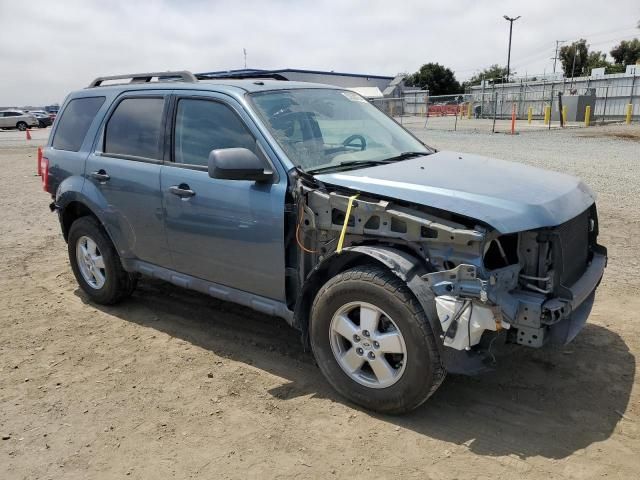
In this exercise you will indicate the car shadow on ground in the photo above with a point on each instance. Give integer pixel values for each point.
(547, 403)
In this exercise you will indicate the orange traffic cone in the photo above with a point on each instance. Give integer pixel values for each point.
(28, 134)
(39, 170)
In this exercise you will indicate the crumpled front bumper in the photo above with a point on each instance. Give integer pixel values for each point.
(539, 320)
(580, 304)
(522, 318)
(532, 324)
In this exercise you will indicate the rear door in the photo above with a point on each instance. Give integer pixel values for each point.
(124, 172)
(229, 231)
(10, 119)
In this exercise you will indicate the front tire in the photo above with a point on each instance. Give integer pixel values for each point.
(96, 264)
(22, 126)
(373, 342)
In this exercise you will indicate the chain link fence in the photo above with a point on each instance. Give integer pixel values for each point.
(610, 100)
(420, 110)
(493, 106)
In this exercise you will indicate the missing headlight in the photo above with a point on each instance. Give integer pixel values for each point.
(501, 252)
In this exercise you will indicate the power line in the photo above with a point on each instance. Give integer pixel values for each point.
(530, 58)
(542, 45)
(540, 54)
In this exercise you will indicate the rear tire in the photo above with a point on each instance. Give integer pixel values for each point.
(96, 264)
(409, 374)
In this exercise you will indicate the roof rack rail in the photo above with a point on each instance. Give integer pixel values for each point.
(241, 76)
(184, 76)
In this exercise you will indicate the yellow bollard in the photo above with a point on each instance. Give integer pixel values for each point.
(587, 116)
(547, 114)
(629, 112)
(469, 105)
(529, 115)
(564, 114)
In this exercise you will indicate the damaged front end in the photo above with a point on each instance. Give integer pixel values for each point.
(483, 292)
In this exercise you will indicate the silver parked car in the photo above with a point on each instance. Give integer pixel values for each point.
(17, 119)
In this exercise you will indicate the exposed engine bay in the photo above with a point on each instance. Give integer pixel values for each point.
(528, 288)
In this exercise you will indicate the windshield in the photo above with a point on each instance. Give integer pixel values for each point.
(322, 128)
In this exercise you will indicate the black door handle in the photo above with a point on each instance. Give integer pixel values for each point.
(182, 190)
(101, 176)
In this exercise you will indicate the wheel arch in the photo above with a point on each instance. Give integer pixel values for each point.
(72, 204)
(76, 198)
(404, 265)
(72, 211)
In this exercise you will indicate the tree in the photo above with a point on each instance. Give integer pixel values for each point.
(578, 51)
(585, 61)
(494, 73)
(438, 79)
(627, 52)
(596, 60)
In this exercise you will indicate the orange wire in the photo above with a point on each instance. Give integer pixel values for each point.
(305, 249)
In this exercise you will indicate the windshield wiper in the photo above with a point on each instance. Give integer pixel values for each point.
(405, 155)
(347, 164)
(357, 163)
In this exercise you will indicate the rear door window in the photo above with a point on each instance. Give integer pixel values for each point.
(75, 122)
(135, 128)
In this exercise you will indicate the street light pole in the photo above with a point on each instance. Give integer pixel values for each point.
(510, 20)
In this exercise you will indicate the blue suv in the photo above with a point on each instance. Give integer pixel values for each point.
(396, 262)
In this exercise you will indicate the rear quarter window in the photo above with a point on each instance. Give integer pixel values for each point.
(75, 122)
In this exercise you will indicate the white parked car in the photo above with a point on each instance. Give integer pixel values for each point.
(17, 119)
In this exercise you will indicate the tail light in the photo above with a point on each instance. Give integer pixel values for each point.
(44, 171)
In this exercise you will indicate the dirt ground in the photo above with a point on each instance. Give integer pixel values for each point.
(174, 384)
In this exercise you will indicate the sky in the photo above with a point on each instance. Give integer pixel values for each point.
(51, 47)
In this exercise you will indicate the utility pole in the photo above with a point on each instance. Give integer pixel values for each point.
(510, 20)
(244, 51)
(573, 68)
(555, 57)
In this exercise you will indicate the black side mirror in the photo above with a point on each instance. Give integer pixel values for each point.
(238, 164)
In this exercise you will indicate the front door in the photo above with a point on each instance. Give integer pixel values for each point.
(229, 232)
(125, 169)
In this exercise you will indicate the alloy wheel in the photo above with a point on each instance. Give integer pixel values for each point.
(90, 262)
(368, 345)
